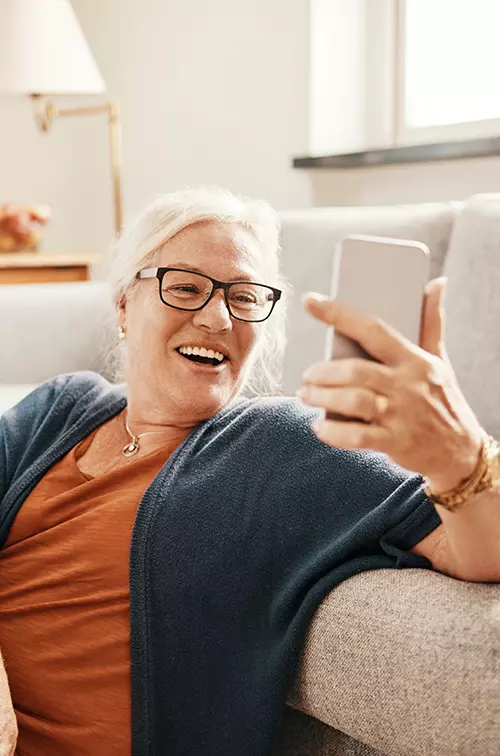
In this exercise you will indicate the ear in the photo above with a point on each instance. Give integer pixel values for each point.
(121, 309)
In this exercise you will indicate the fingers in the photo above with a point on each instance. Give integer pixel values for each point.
(352, 435)
(351, 372)
(376, 337)
(350, 402)
(433, 327)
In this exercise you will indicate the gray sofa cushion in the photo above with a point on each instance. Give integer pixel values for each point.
(302, 735)
(47, 329)
(407, 662)
(473, 306)
(309, 238)
(11, 394)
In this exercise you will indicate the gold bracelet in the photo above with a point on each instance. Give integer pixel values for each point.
(480, 480)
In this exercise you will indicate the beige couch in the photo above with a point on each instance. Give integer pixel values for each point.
(396, 663)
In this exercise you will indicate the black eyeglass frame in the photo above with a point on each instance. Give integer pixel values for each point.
(160, 272)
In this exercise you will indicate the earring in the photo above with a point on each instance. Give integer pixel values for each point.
(121, 333)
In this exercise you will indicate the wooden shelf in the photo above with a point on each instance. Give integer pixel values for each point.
(41, 267)
(42, 259)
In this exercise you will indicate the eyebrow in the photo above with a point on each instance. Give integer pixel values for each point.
(184, 266)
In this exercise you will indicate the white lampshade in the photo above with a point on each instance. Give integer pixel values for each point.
(43, 50)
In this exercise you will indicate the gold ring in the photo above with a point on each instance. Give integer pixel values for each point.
(381, 404)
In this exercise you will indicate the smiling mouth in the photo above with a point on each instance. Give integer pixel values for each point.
(213, 361)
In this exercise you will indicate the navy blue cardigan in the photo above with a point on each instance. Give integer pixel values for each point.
(243, 532)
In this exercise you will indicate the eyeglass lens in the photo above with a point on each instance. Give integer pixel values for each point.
(189, 291)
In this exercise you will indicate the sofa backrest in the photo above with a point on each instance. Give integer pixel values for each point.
(309, 239)
(472, 306)
(48, 329)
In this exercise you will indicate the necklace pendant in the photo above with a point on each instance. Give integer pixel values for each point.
(130, 449)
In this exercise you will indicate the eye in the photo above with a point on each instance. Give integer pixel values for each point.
(185, 287)
(181, 291)
(248, 298)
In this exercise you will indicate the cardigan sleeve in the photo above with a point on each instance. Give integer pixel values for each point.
(19, 425)
(369, 504)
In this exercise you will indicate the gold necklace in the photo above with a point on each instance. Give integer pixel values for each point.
(133, 445)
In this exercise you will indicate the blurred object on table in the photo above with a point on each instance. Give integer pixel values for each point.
(21, 226)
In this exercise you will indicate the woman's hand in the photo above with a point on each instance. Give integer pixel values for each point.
(422, 421)
(8, 723)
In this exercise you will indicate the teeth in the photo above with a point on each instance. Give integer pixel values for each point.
(202, 352)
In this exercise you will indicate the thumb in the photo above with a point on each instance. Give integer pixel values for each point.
(315, 305)
(432, 333)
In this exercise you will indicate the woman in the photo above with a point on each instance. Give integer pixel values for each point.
(177, 538)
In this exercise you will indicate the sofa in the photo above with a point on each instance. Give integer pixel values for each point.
(395, 663)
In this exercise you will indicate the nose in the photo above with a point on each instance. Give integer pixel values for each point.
(215, 315)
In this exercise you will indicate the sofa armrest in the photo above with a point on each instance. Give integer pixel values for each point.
(407, 662)
(11, 395)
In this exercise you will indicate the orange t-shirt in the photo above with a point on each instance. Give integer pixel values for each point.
(64, 608)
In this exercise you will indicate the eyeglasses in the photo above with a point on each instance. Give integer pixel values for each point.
(185, 290)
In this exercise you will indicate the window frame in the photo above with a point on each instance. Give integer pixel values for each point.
(405, 135)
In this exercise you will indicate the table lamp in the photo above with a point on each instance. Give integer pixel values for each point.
(43, 54)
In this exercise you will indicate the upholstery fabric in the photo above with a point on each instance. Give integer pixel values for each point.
(406, 663)
(53, 329)
(11, 394)
(302, 735)
(309, 239)
(473, 306)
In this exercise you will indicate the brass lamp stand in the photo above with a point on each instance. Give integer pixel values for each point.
(45, 113)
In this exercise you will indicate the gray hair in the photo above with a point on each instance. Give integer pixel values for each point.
(165, 217)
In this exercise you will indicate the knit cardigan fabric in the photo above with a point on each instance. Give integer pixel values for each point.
(244, 531)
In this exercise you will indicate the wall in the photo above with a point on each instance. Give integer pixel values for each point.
(219, 92)
(353, 108)
(210, 93)
(400, 184)
(352, 75)
(338, 91)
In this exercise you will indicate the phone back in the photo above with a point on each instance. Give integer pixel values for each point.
(382, 277)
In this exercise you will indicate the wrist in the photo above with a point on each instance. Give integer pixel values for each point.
(484, 476)
(457, 473)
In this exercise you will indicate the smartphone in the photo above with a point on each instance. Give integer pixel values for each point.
(382, 277)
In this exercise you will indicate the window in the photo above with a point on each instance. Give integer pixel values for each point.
(448, 78)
